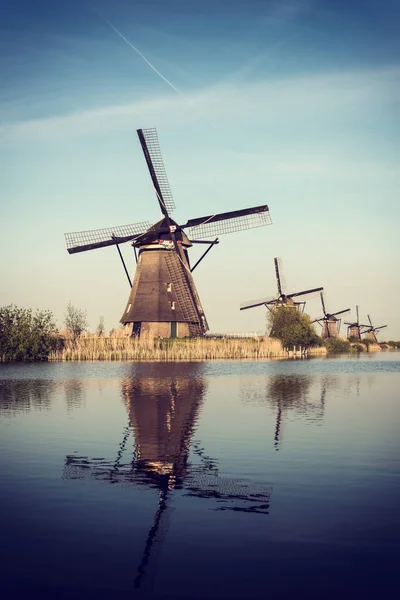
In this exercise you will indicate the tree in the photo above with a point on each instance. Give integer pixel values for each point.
(101, 328)
(25, 335)
(292, 327)
(75, 321)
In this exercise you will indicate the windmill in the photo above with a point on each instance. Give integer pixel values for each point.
(329, 322)
(163, 300)
(163, 402)
(371, 331)
(354, 329)
(282, 299)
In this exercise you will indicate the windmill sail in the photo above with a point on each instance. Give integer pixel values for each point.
(282, 299)
(230, 222)
(151, 149)
(80, 241)
(371, 331)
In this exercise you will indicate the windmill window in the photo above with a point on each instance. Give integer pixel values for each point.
(172, 305)
(169, 287)
(129, 308)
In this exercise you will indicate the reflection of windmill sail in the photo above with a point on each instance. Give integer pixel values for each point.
(287, 394)
(163, 402)
(155, 536)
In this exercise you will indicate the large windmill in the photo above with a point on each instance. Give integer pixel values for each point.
(282, 299)
(329, 322)
(371, 331)
(163, 300)
(354, 329)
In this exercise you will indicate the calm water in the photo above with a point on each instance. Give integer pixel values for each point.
(200, 480)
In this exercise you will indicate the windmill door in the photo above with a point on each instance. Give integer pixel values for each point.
(174, 329)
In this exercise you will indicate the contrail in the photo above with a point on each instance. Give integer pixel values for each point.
(171, 85)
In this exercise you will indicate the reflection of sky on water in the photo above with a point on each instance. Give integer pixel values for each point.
(156, 475)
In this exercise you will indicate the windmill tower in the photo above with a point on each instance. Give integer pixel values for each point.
(329, 322)
(371, 331)
(163, 300)
(354, 329)
(282, 299)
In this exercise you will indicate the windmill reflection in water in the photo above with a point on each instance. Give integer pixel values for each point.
(290, 394)
(163, 401)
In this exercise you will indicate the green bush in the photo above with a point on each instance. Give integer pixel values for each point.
(393, 344)
(25, 335)
(293, 328)
(337, 345)
(357, 348)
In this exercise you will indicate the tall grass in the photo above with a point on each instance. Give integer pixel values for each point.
(148, 348)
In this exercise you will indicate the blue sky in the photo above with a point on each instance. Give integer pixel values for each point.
(290, 103)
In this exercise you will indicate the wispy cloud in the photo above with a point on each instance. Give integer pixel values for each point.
(297, 99)
(142, 56)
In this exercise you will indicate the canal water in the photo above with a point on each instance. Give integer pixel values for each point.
(201, 480)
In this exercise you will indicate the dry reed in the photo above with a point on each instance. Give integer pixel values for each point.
(147, 348)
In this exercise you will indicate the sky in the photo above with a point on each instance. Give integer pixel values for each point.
(290, 103)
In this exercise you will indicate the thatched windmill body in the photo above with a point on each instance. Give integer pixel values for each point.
(282, 299)
(354, 329)
(163, 300)
(329, 322)
(371, 331)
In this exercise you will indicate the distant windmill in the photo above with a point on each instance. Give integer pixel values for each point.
(282, 299)
(371, 331)
(354, 329)
(163, 300)
(329, 322)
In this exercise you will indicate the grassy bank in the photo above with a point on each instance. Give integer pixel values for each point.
(340, 346)
(123, 348)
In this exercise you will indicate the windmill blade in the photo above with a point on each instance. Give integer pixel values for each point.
(80, 241)
(318, 320)
(369, 319)
(260, 302)
(340, 312)
(380, 327)
(229, 222)
(151, 149)
(322, 302)
(304, 292)
(278, 279)
(358, 319)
